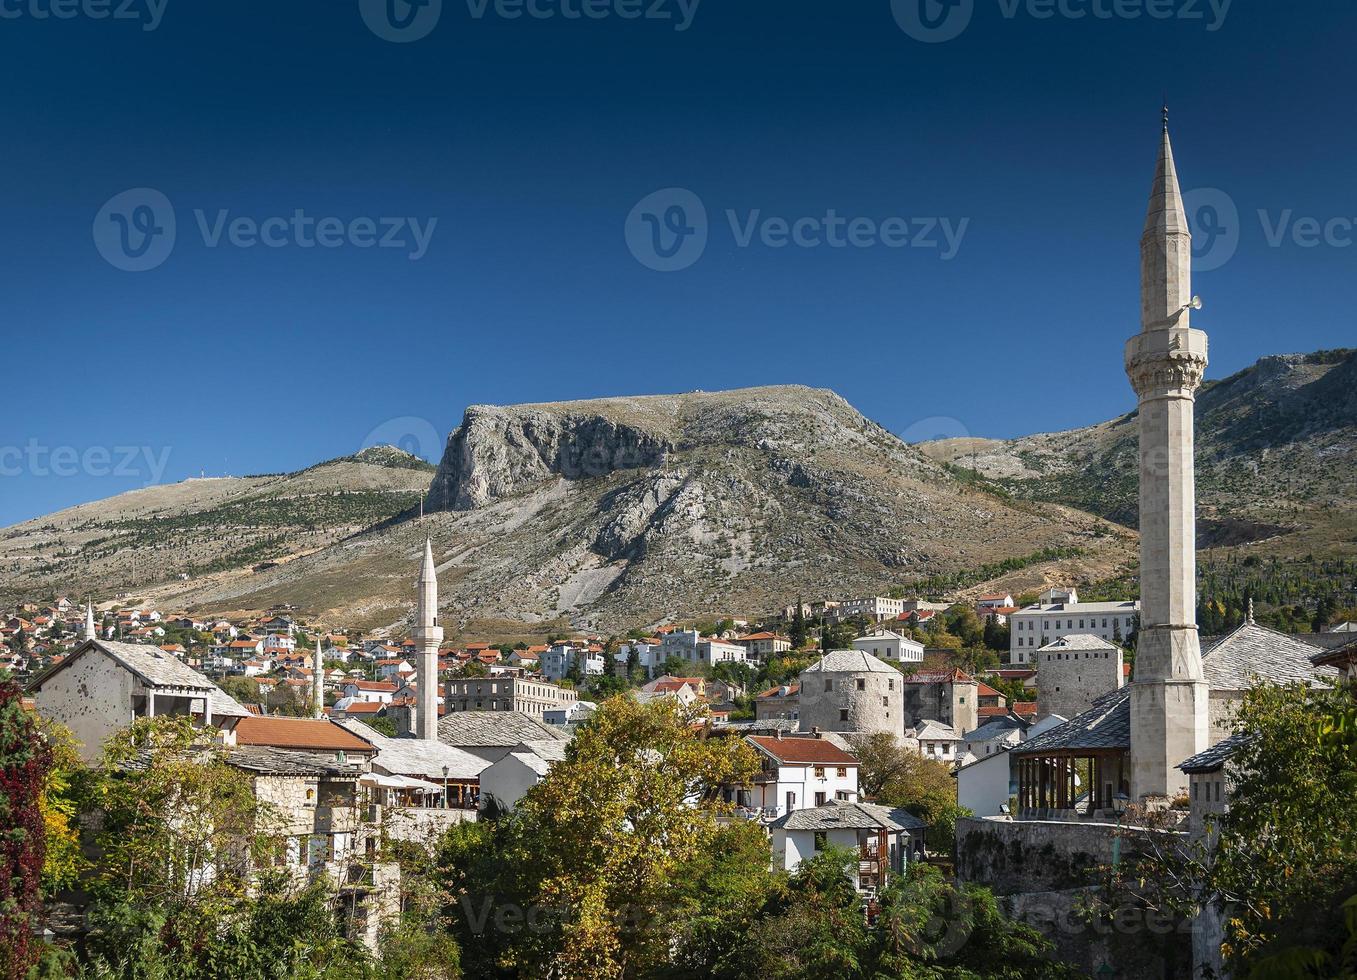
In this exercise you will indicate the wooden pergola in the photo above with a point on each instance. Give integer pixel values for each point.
(1064, 782)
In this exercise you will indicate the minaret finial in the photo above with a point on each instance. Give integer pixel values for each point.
(1250, 609)
(1166, 115)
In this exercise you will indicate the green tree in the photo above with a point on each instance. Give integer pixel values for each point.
(800, 632)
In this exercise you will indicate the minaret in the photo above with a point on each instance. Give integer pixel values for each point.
(1165, 362)
(427, 635)
(91, 631)
(318, 681)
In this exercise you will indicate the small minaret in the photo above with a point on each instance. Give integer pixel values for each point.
(318, 681)
(1165, 363)
(91, 631)
(427, 636)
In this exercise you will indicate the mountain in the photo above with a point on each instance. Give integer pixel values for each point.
(206, 529)
(1276, 448)
(622, 512)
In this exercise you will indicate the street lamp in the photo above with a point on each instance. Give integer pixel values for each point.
(445, 787)
(1119, 808)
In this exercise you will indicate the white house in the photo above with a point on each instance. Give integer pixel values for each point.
(884, 839)
(889, 645)
(507, 781)
(650, 657)
(797, 772)
(877, 608)
(279, 643)
(557, 661)
(1032, 627)
(934, 740)
(986, 782)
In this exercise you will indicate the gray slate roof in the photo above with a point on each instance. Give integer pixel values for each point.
(996, 728)
(266, 761)
(1079, 641)
(849, 662)
(1106, 725)
(157, 668)
(494, 729)
(415, 756)
(1251, 653)
(1217, 755)
(839, 815)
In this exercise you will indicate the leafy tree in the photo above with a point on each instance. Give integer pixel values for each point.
(25, 762)
(596, 853)
(61, 794)
(633, 663)
(891, 774)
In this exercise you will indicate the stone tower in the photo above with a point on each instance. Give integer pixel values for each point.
(851, 691)
(1165, 362)
(428, 635)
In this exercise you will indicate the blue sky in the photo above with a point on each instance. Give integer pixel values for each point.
(518, 147)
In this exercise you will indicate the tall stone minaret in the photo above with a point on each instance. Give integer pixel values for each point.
(427, 635)
(318, 680)
(1165, 362)
(91, 631)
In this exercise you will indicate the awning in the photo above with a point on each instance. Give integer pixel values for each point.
(399, 782)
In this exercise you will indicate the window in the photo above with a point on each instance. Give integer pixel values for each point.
(862, 683)
(820, 799)
(819, 772)
(890, 684)
(843, 714)
(842, 772)
(829, 684)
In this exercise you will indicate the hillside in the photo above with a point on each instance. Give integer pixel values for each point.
(609, 513)
(204, 529)
(1276, 459)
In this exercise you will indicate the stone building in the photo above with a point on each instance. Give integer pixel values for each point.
(528, 695)
(949, 696)
(494, 734)
(1074, 670)
(1032, 627)
(102, 687)
(851, 691)
(889, 645)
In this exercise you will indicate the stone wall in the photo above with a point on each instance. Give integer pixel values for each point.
(92, 697)
(952, 704)
(1069, 680)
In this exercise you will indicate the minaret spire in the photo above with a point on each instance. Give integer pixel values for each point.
(1165, 363)
(91, 632)
(318, 680)
(427, 635)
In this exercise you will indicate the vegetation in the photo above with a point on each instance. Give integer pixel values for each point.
(24, 765)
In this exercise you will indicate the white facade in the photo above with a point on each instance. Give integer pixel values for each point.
(556, 662)
(889, 645)
(1032, 627)
(876, 608)
(698, 649)
(986, 783)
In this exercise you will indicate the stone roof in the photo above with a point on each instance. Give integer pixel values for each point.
(1079, 641)
(156, 668)
(417, 757)
(1106, 725)
(1217, 755)
(493, 729)
(841, 815)
(1253, 653)
(935, 730)
(539, 756)
(849, 662)
(996, 728)
(268, 761)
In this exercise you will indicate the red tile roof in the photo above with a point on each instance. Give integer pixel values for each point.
(297, 733)
(804, 751)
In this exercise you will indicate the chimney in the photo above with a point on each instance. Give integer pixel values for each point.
(815, 732)
(777, 734)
